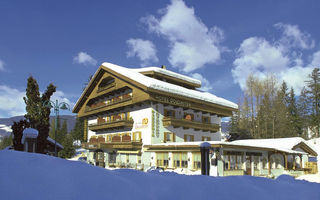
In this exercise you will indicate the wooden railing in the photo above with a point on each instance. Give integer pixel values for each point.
(170, 121)
(104, 104)
(112, 125)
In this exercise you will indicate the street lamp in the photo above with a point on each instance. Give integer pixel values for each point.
(56, 107)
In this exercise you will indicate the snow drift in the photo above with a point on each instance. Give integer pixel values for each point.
(35, 176)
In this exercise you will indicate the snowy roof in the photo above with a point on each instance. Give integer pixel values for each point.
(29, 133)
(169, 73)
(52, 142)
(279, 143)
(235, 144)
(168, 87)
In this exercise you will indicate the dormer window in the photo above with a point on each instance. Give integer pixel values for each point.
(169, 113)
(106, 83)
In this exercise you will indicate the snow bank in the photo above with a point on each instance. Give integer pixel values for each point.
(34, 176)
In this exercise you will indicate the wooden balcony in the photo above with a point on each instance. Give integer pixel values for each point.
(118, 124)
(128, 145)
(102, 105)
(169, 121)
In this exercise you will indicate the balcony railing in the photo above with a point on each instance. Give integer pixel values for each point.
(99, 105)
(101, 143)
(112, 125)
(169, 121)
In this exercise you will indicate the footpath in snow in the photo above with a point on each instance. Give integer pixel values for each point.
(35, 176)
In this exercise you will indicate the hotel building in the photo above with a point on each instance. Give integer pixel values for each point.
(139, 118)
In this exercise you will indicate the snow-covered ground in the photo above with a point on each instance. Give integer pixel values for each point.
(34, 176)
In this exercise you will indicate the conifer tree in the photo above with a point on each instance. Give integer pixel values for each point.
(5, 142)
(313, 92)
(294, 117)
(63, 131)
(68, 149)
(38, 114)
(303, 106)
(52, 128)
(78, 130)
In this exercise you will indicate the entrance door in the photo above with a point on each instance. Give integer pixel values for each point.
(248, 165)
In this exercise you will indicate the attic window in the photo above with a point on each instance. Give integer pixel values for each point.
(106, 83)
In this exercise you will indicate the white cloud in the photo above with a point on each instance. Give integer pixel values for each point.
(145, 50)
(192, 44)
(84, 58)
(1, 65)
(257, 56)
(316, 59)
(205, 84)
(61, 97)
(11, 102)
(260, 57)
(292, 36)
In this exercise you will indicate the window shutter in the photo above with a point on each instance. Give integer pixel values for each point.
(185, 138)
(165, 137)
(173, 137)
(192, 137)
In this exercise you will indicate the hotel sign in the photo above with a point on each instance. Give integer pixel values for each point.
(170, 100)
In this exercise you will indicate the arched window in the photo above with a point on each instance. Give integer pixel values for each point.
(105, 83)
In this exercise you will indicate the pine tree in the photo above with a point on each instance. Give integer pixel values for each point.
(52, 128)
(303, 106)
(294, 117)
(313, 92)
(280, 123)
(78, 130)
(5, 142)
(68, 149)
(63, 132)
(38, 114)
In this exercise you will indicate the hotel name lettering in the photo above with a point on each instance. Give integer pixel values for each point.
(173, 101)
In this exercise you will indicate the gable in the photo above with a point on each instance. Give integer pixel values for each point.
(106, 83)
(306, 148)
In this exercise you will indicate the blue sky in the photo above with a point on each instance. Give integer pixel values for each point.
(219, 42)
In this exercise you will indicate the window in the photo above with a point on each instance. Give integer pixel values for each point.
(256, 160)
(239, 162)
(162, 160)
(180, 160)
(196, 160)
(109, 138)
(206, 120)
(105, 82)
(169, 137)
(169, 113)
(112, 157)
(188, 116)
(265, 163)
(233, 160)
(136, 136)
(188, 138)
(205, 138)
(139, 159)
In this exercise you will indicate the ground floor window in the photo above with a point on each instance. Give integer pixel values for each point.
(256, 161)
(265, 163)
(196, 160)
(162, 160)
(112, 158)
(180, 160)
(233, 160)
